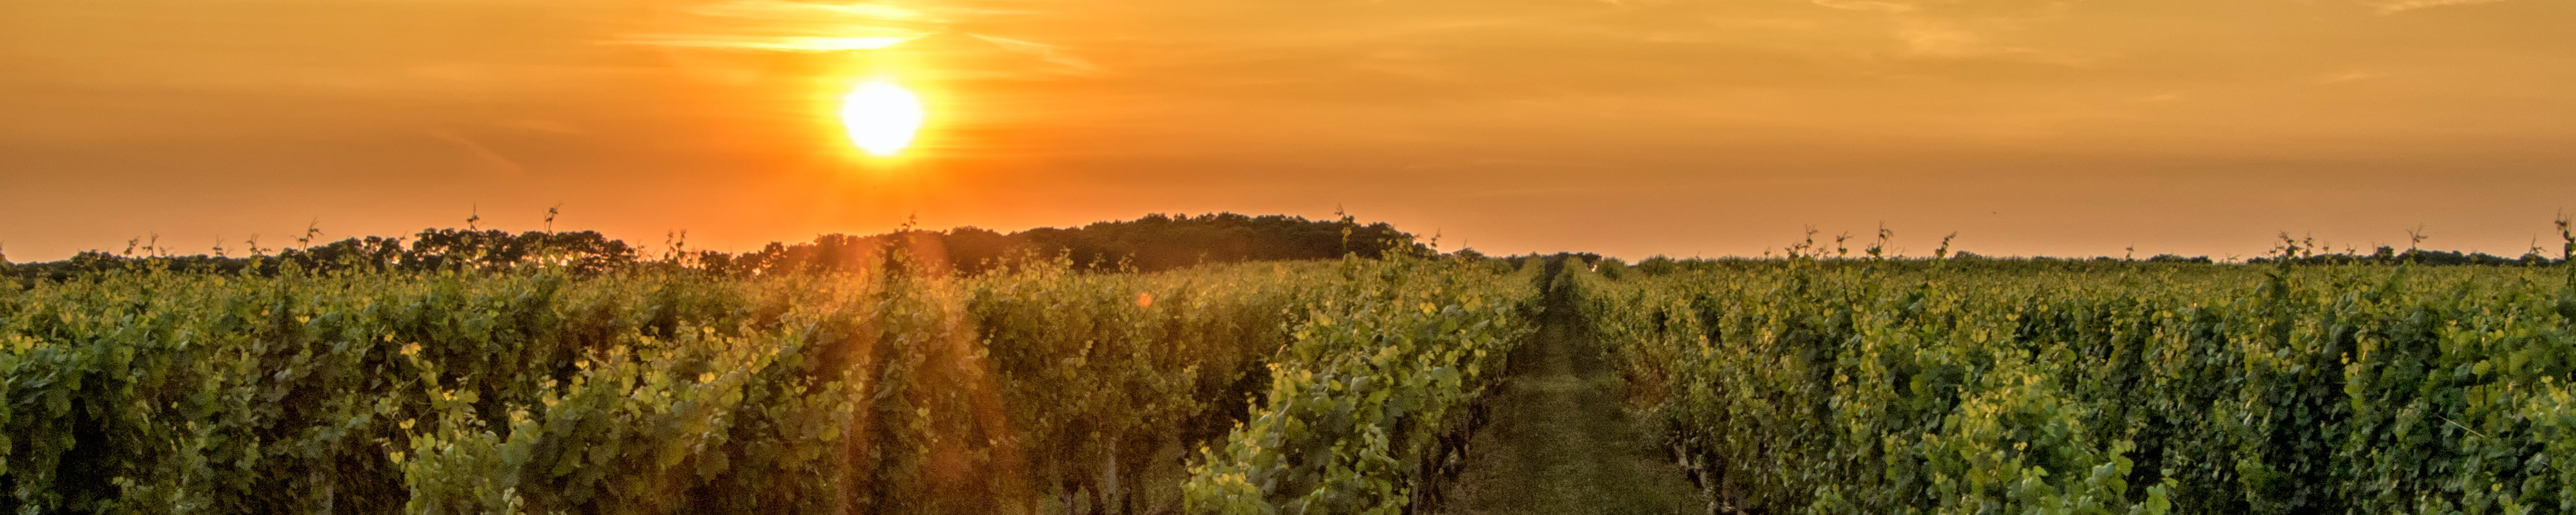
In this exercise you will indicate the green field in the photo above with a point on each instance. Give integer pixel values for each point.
(1407, 383)
(1867, 386)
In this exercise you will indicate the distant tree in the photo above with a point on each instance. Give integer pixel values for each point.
(1658, 265)
(972, 250)
(1589, 259)
(1150, 243)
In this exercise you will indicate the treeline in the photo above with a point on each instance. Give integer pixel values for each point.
(1154, 242)
(2391, 256)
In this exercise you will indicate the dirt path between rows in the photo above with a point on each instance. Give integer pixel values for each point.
(1559, 441)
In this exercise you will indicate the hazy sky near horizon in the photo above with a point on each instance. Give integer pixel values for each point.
(1627, 127)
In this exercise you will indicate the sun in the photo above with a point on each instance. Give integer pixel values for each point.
(881, 117)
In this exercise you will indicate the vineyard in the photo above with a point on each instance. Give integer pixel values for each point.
(902, 389)
(1944, 386)
(885, 384)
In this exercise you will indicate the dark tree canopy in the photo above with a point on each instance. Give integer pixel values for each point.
(1154, 242)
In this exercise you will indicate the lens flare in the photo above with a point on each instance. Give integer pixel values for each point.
(881, 117)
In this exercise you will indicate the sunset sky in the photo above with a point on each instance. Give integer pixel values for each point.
(1626, 127)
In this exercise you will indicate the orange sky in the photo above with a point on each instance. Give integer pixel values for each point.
(1627, 127)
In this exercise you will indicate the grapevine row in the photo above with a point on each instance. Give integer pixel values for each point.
(1032, 389)
(2025, 387)
(1365, 403)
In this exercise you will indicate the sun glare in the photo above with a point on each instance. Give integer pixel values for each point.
(881, 117)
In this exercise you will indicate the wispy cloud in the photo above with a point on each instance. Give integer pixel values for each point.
(781, 25)
(1947, 41)
(800, 26)
(2159, 97)
(493, 162)
(768, 42)
(2355, 75)
(2398, 6)
(1044, 52)
(1866, 5)
(771, 9)
(541, 125)
(1937, 40)
(1957, 30)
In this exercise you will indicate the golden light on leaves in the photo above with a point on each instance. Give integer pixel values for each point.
(881, 117)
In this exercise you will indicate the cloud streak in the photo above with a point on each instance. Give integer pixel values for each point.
(1945, 41)
(778, 25)
(760, 42)
(2350, 76)
(1044, 52)
(2388, 8)
(797, 26)
(777, 9)
(492, 161)
(1866, 5)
